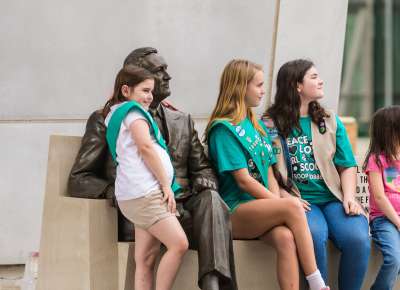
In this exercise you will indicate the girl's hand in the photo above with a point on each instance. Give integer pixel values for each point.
(306, 204)
(351, 207)
(169, 198)
(274, 196)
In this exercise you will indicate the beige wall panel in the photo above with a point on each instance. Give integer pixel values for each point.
(314, 29)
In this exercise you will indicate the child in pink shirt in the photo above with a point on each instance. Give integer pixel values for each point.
(382, 165)
(390, 175)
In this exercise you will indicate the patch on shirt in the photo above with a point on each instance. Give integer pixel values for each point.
(392, 178)
(272, 131)
(240, 131)
(251, 164)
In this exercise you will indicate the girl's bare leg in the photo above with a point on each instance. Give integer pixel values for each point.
(281, 238)
(147, 249)
(252, 219)
(169, 232)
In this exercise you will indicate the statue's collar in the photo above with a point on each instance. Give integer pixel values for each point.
(156, 111)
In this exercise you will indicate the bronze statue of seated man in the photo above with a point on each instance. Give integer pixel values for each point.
(204, 216)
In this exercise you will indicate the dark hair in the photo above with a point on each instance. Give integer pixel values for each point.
(136, 57)
(286, 108)
(384, 134)
(129, 75)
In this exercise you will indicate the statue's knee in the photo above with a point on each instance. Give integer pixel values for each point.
(214, 201)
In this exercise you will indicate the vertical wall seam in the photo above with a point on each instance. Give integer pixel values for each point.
(273, 53)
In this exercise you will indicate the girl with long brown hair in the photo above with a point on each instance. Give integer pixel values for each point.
(144, 184)
(242, 156)
(382, 165)
(315, 156)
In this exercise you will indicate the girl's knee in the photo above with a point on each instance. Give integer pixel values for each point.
(285, 242)
(184, 245)
(294, 207)
(392, 260)
(180, 246)
(358, 241)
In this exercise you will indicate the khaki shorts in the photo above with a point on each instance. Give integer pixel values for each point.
(147, 210)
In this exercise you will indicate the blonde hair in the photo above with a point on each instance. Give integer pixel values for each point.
(231, 104)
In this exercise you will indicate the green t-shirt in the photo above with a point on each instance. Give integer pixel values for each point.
(306, 173)
(228, 154)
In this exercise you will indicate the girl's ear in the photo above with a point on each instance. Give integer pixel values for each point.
(125, 90)
(299, 87)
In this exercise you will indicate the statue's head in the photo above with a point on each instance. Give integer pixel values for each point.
(148, 58)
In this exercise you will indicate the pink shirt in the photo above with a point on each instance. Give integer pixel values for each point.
(391, 183)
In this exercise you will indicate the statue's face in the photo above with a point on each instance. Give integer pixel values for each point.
(157, 65)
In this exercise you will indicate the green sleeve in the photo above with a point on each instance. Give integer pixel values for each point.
(225, 150)
(344, 154)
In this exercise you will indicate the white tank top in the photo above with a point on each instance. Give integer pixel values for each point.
(134, 179)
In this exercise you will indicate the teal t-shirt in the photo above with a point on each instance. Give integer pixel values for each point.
(306, 173)
(228, 154)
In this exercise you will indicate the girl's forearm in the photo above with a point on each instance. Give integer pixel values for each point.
(386, 207)
(348, 180)
(273, 185)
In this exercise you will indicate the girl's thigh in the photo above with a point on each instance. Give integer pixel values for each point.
(252, 219)
(345, 229)
(169, 232)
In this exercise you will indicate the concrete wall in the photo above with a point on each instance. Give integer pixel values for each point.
(315, 31)
(59, 59)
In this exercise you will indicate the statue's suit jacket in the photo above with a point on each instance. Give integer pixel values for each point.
(93, 173)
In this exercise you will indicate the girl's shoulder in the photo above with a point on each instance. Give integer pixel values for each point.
(268, 125)
(267, 121)
(330, 112)
(220, 125)
(219, 128)
(376, 161)
(332, 116)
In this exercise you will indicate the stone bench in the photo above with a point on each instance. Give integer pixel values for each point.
(79, 248)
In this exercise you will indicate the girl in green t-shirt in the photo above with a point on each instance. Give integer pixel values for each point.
(316, 156)
(242, 155)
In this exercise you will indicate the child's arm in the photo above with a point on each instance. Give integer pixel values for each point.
(248, 184)
(348, 180)
(377, 190)
(305, 203)
(140, 132)
(273, 185)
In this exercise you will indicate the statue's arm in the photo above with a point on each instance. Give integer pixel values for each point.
(201, 173)
(87, 178)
